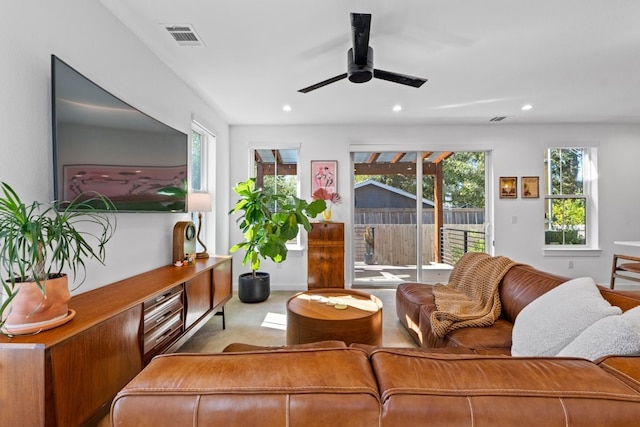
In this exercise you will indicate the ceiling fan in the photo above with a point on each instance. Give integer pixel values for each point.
(360, 59)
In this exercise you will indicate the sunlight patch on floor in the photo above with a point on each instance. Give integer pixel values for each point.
(275, 321)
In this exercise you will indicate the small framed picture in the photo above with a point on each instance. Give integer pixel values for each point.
(530, 187)
(508, 187)
(324, 174)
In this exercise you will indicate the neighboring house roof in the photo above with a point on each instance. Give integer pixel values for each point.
(374, 194)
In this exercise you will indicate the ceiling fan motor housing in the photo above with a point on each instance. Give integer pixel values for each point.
(360, 73)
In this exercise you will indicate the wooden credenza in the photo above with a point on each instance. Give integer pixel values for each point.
(325, 258)
(69, 375)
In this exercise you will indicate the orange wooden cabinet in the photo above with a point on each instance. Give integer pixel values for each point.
(68, 376)
(325, 262)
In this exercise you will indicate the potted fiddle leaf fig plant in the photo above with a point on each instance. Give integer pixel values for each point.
(266, 233)
(37, 242)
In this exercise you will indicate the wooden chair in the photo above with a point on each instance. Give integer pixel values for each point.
(625, 270)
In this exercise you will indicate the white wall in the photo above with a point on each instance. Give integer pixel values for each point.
(86, 36)
(90, 39)
(516, 150)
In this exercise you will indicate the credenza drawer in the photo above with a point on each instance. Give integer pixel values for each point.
(163, 320)
(156, 315)
(159, 336)
(161, 298)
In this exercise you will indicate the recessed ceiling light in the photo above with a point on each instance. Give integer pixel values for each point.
(527, 107)
(397, 108)
(286, 108)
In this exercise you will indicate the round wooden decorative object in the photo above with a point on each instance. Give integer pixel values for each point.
(312, 316)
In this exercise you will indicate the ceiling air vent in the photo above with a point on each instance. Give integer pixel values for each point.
(184, 34)
(498, 118)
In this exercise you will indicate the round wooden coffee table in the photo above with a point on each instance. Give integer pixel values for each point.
(334, 314)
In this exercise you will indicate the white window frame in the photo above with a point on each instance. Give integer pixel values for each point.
(207, 146)
(590, 188)
(205, 137)
(293, 245)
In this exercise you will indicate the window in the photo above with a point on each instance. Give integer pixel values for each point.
(196, 160)
(201, 141)
(570, 197)
(276, 171)
(414, 210)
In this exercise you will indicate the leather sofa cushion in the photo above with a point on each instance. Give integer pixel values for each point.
(448, 389)
(523, 284)
(294, 388)
(497, 335)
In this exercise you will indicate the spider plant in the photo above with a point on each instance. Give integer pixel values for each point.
(39, 240)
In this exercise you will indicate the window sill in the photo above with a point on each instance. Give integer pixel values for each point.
(295, 250)
(561, 251)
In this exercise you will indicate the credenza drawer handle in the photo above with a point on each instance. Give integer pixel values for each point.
(163, 297)
(163, 317)
(163, 337)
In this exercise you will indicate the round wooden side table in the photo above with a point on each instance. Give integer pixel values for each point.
(334, 314)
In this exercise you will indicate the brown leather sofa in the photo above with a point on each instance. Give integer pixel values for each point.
(349, 386)
(519, 286)
(467, 381)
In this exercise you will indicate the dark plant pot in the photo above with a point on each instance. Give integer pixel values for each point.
(251, 290)
(368, 258)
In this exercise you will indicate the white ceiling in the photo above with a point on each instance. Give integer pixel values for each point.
(573, 60)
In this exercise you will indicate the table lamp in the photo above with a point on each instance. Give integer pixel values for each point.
(200, 202)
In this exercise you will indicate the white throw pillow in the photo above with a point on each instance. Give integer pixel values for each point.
(550, 322)
(633, 316)
(618, 335)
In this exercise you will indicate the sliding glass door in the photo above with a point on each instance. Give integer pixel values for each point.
(406, 214)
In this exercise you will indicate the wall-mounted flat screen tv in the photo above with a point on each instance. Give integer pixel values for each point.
(102, 144)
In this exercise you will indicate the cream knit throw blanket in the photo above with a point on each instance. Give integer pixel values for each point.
(471, 298)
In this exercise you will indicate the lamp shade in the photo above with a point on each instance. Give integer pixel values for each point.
(199, 202)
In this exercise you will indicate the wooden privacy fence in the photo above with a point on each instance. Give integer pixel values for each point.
(395, 232)
(408, 216)
(395, 244)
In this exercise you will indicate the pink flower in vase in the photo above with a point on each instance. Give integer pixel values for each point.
(329, 197)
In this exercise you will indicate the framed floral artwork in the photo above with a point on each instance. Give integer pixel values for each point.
(530, 187)
(508, 187)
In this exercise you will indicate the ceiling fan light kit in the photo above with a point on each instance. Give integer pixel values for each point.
(360, 60)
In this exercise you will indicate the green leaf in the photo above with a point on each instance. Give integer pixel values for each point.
(266, 233)
(38, 240)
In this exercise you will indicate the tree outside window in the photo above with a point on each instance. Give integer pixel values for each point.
(276, 172)
(196, 160)
(464, 177)
(565, 197)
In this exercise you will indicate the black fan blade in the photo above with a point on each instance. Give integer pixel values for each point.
(324, 83)
(398, 78)
(360, 28)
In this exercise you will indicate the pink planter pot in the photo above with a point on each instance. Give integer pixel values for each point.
(32, 311)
